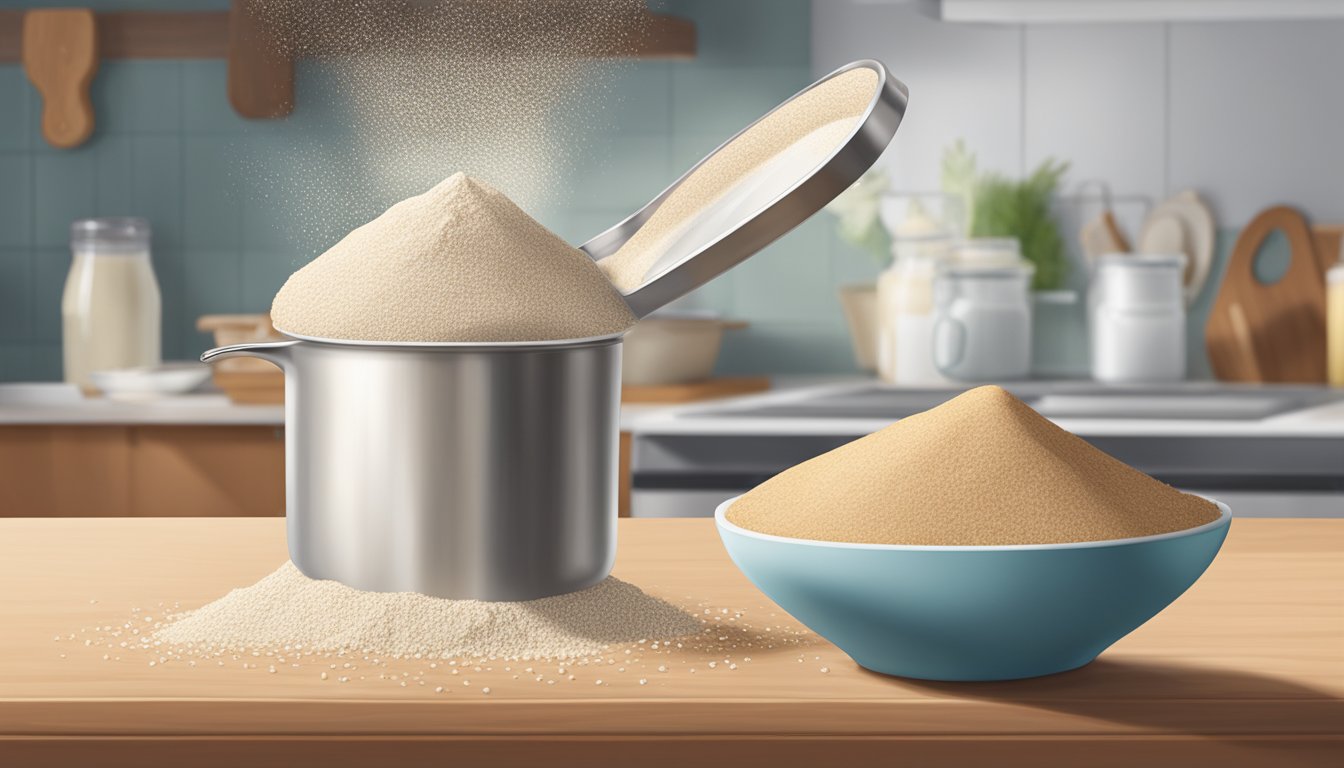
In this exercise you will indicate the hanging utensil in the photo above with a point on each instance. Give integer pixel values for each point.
(1102, 234)
(1182, 224)
(60, 55)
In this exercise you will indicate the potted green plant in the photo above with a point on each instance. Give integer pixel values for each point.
(998, 206)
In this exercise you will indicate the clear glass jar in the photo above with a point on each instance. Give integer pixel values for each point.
(111, 308)
(923, 228)
(905, 311)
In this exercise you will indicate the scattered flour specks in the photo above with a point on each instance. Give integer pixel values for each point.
(287, 608)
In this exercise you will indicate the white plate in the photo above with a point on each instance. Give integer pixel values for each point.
(152, 381)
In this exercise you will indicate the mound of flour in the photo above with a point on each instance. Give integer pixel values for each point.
(459, 263)
(287, 608)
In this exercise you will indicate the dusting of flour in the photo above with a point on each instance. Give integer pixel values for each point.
(459, 263)
(287, 609)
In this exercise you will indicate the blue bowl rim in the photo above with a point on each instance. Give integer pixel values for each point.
(720, 518)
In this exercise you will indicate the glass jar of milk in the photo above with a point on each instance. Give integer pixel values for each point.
(111, 307)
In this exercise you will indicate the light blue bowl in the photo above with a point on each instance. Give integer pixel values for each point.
(974, 613)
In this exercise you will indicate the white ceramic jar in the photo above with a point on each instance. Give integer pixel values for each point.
(1137, 318)
(110, 309)
(982, 322)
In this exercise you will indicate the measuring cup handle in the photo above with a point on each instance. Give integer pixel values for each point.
(949, 345)
(276, 352)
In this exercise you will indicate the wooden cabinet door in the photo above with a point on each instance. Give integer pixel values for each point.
(207, 471)
(64, 471)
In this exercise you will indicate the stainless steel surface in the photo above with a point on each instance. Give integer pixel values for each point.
(667, 282)
(485, 472)
(1076, 401)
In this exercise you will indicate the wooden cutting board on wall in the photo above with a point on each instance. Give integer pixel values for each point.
(1270, 332)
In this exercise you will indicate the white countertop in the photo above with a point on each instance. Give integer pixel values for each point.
(183, 410)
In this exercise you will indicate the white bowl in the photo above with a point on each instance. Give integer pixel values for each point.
(150, 381)
(672, 348)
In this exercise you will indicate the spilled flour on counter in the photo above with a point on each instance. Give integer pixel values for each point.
(980, 469)
(288, 609)
(459, 263)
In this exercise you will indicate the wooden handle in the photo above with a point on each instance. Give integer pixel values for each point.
(1113, 229)
(60, 55)
(1270, 332)
(261, 75)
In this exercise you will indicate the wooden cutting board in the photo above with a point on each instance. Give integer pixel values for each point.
(252, 387)
(1259, 332)
(708, 389)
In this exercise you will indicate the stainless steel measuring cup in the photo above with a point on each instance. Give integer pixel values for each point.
(488, 470)
(485, 471)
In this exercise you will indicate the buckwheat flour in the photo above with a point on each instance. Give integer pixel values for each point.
(981, 469)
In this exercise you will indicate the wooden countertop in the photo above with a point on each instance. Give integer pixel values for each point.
(1245, 669)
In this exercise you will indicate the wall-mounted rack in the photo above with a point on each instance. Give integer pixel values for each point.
(61, 48)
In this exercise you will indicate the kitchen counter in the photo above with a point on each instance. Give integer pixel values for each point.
(1245, 669)
(184, 410)
(181, 410)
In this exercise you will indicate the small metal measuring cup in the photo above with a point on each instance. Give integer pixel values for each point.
(488, 470)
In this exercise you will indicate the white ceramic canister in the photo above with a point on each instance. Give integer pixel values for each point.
(1137, 318)
(982, 322)
(110, 309)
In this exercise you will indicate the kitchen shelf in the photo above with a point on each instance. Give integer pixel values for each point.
(261, 80)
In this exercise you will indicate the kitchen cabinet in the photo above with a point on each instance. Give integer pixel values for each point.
(1247, 668)
(169, 470)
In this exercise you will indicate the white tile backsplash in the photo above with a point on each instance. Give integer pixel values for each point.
(1095, 95)
(1250, 114)
(965, 81)
(1257, 116)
